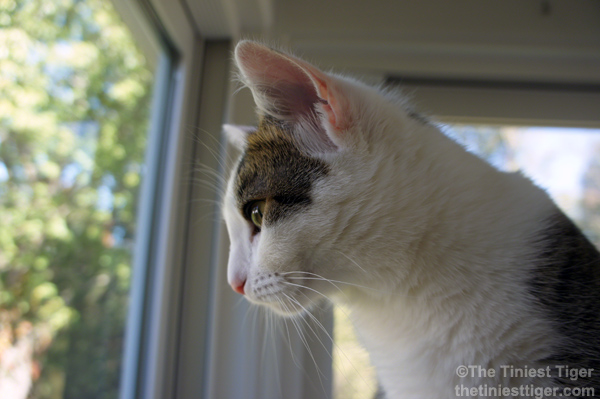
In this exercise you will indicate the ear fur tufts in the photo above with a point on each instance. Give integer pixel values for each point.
(237, 134)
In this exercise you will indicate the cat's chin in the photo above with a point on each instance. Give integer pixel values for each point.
(286, 308)
(286, 312)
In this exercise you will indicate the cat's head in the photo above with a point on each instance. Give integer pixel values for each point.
(300, 204)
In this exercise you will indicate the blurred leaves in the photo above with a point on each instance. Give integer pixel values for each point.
(74, 104)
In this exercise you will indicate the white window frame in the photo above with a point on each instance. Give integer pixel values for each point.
(150, 364)
(495, 102)
(177, 343)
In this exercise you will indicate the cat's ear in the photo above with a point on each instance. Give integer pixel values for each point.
(296, 92)
(237, 135)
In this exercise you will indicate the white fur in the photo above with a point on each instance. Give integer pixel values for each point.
(438, 239)
(236, 134)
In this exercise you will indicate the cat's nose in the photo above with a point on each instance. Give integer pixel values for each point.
(238, 286)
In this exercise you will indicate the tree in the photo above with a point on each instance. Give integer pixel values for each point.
(74, 103)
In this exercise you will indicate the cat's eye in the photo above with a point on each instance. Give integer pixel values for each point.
(255, 211)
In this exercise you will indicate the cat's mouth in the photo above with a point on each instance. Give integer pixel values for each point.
(284, 293)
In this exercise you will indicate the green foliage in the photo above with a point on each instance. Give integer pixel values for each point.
(74, 103)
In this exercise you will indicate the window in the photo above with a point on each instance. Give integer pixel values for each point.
(75, 98)
(145, 238)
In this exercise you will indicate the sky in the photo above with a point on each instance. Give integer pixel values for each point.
(557, 159)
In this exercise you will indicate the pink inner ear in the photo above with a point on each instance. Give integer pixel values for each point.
(286, 87)
(329, 103)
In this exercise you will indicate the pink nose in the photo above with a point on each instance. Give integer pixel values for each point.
(239, 286)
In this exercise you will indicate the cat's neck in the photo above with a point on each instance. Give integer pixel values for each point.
(446, 207)
(447, 218)
(443, 262)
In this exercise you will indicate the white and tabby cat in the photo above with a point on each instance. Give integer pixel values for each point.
(447, 261)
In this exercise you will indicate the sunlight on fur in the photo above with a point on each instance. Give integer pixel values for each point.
(353, 375)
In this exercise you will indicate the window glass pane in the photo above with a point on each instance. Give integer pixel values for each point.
(564, 161)
(74, 104)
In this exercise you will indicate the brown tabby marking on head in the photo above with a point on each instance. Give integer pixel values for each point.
(272, 168)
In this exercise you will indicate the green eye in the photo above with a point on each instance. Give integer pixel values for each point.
(255, 211)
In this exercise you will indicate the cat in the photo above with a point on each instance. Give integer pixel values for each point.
(461, 279)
